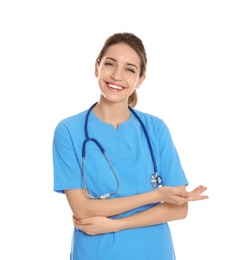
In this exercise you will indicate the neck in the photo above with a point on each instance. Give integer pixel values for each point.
(112, 113)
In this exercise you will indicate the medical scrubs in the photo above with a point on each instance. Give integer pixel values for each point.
(129, 154)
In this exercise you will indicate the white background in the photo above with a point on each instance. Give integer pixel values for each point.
(197, 81)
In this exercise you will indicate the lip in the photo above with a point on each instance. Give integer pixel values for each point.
(114, 87)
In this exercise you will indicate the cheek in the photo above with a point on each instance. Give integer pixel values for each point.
(102, 73)
(133, 81)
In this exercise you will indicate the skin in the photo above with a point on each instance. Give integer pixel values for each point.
(118, 75)
(164, 212)
(119, 67)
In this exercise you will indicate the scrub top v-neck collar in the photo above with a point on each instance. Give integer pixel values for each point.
(105, 124)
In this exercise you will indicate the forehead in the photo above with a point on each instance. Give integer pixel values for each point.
(122, 52)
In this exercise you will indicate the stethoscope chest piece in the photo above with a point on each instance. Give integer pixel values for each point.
(156, 180)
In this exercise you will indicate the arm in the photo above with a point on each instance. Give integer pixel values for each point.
(164, 212)
(84, 207)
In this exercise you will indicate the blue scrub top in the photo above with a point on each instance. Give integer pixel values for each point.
(128, 151)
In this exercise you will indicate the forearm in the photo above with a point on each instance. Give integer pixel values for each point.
(164, 212)
(159, 214)
(83, 207)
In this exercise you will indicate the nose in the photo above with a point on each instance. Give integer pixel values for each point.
(117, 74)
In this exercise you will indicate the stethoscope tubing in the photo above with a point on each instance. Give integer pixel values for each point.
(147, 137)
(155, 178)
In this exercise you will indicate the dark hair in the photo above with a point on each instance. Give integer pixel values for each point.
(134, 42)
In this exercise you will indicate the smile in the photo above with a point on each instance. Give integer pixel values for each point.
(114, 86)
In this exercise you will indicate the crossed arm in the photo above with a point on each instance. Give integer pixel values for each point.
(92, 216)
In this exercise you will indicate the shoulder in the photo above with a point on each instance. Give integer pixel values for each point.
(157, 129)
(70, 123)
(154, 124)
(150, 120)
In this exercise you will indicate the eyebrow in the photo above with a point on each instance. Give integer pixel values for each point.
(130, 64)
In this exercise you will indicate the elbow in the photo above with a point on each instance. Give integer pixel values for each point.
(80, 214)
(83, 212)
(81, 206)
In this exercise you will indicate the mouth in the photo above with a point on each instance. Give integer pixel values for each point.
(114, 87)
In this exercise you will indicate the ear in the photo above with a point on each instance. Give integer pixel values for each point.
(96, 69)
(140, 80)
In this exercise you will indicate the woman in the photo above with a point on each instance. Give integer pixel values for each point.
(118, 166)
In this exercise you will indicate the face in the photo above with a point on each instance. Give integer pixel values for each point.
(118, 73)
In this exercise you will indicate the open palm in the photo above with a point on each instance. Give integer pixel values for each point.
(195, 194)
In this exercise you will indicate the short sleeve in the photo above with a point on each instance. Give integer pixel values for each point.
(171, 169)
(66, 164)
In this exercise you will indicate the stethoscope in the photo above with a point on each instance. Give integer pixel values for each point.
(155, 178)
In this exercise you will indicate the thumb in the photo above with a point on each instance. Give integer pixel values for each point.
(183, 193)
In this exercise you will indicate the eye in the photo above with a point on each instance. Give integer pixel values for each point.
(107, 63)
(131, 70)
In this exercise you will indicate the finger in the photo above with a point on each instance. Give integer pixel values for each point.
(74, 222)
(180, 193)
(84, 221)
(202, 197)
(184, 194)
(201, 187)
(201, 190)
(74, 219)
(195, 198)
(198, 190)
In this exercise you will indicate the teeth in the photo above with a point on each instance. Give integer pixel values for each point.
(115, 87)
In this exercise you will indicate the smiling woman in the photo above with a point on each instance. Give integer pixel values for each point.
(119, 75)
(118, 166)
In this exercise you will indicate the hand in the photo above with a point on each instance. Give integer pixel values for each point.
(95, 225)
(195, 194)
(174, 195)
(179, 195)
